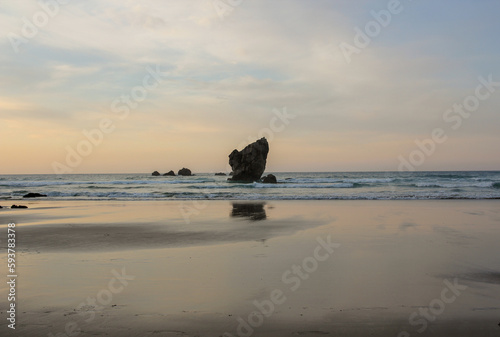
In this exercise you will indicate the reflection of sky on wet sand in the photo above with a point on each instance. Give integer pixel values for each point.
(393, 257)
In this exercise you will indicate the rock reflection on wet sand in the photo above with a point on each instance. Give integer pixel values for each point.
(253, 211)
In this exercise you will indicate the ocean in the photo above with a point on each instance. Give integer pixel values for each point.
(291, 186)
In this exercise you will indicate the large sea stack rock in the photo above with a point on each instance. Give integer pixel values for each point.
(184, 172)
(249, 163)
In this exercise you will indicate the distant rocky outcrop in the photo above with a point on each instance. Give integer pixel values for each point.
(249, 163)
(18, 206)
(220, 174)
(184, 172)
(269, 179)
(170, 173)
(155, 173)
(34, 195)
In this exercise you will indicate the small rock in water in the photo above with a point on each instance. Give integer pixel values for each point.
(155, 173)
(170, 173)
(34, 195)
(269, 179)
(184, 172)
(18, 206)
(220, 174)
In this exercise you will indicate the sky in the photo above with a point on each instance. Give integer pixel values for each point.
(334, 85)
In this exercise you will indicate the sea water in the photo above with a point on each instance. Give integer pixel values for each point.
(290, 186)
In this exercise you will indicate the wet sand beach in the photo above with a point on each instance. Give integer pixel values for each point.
(280, 268)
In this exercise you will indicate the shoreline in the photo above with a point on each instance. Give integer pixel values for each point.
(6, 201)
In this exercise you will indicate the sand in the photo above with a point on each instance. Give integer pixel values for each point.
(276, 268)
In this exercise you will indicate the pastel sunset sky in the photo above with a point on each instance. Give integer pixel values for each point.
(181, 83)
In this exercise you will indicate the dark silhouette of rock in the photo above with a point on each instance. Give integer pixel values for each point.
(249, 163)
(220, 174)
(231, 173)
(155, 173)
(18, 206)
(184, 172)
(170, 173)
(34, 195)
(1, 207)
(269, 179)
(252, 211)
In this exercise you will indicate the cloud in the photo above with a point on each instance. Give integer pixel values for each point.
(227, 75)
